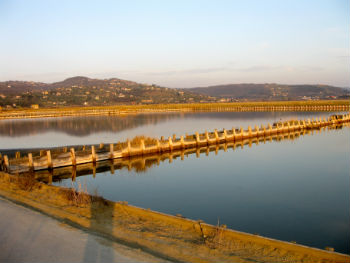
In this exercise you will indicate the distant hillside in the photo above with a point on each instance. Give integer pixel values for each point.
(273, 92)
(80, 91)
(83, 91)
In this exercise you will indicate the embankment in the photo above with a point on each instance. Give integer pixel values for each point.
(322, 105)
(169, 237)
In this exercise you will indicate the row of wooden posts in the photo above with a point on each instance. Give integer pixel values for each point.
(145, 161)
(64, 159)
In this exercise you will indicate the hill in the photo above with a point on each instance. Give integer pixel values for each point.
(268, 92)
(80, 91)
(83, 91)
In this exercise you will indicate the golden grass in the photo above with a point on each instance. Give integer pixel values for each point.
(169, 107)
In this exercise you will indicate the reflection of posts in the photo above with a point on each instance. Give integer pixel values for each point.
(111, 151)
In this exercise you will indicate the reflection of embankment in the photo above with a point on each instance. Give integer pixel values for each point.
(141, 164)
(82, 126)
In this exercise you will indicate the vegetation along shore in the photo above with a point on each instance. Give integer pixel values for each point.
(319, 105)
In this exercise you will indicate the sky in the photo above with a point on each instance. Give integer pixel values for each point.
(177, 43)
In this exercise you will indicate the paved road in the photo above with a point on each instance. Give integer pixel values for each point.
(29, 236)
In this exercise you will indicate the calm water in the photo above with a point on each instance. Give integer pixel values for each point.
(291, 190)
(50, 132)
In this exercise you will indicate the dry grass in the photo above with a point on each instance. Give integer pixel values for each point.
(25, 181)
(78, 196)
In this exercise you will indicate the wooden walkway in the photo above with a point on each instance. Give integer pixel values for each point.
(47, 160)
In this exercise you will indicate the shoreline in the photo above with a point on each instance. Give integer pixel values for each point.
(166, 236)
(322, 105)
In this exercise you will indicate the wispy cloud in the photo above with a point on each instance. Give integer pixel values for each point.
(192, 71)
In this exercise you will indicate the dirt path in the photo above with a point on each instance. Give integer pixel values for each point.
(29, 236)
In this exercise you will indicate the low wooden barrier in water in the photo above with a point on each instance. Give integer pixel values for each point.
(142, 163)
(48, 160)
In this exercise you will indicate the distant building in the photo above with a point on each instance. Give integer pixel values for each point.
(34, 106)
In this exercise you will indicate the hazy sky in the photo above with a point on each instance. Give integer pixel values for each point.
(177, 43)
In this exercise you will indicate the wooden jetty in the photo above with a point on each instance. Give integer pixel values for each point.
(49, 160)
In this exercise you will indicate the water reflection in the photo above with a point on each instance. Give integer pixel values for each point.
(53, 132)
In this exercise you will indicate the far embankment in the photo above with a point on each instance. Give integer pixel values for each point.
(320, 105)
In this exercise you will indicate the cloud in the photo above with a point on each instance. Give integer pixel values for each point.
(190, 71)
(258, 68)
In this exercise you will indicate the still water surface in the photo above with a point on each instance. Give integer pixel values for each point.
(50, 132)
(290, 190)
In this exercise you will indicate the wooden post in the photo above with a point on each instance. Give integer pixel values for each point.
(129, 148)
(101, 145)
(197, 138)
(257, 130)
(65, 149)
(242, 133)
(162, 138)
(270, 127)
(6, 163)
(174, 137)
(207, 137)
(182, 155)
(216, 135)
(233, 134)
(93, 154)
(197, 153)
(84, 147)
(42, 152)
(30, 162)
(18, 155)
(182, 142)
(158, 146)
(225, 135)
(170, 144)
(49, 160)
(72, 156)
(250, 131)
(142, 146)
(111, 151)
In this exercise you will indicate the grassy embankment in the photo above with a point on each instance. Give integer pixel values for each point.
(168, 237)
(125, 109)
